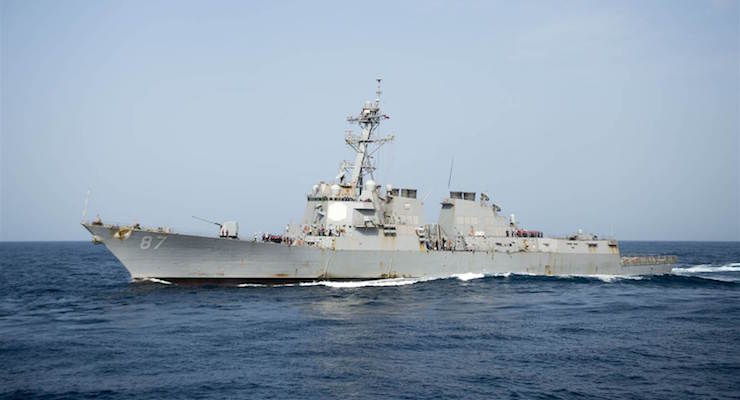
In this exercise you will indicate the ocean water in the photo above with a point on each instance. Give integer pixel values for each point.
(73, 326)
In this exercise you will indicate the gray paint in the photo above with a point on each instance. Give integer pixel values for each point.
(185, 256)
(355, 229)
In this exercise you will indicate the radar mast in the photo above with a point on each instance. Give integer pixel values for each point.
(364, 145)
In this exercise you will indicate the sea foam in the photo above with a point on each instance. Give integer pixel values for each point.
(369, 283)
(394, 281)
(155, 280)
(708, 268)
(468, 276)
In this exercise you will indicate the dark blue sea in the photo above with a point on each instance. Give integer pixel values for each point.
(72, 325)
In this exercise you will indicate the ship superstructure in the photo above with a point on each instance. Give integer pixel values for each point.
(354, 228)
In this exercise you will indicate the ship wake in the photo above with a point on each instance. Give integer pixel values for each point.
(678, 272)
(462, 277)
(153, 280)
(707, 268)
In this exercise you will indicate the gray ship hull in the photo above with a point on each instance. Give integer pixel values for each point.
(183, 258)
(355, 229)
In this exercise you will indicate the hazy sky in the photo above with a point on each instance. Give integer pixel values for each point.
(614, 117)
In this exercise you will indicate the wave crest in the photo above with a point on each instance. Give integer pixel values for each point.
(369, 283)
(708, 268)
(153, 280)
(614, 278)
(468, 276)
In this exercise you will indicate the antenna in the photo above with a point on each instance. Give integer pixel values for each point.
(449, 180)
(379, 92)
(84, 209)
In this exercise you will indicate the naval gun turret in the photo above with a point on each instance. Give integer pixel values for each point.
(228, 229)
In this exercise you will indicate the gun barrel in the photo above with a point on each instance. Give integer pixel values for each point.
(205, 220)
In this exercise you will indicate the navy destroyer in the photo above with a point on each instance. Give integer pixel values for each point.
(355, 229)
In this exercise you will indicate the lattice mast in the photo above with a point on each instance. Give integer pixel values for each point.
(364, 145)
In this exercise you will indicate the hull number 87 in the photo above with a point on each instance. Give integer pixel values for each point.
(146, 242)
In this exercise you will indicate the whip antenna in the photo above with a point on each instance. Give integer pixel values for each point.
(449, 180)
(84, 209)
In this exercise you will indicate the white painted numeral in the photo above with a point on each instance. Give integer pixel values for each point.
(146, 242)
(161, 240)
